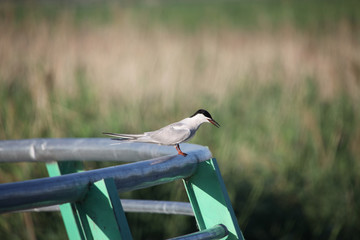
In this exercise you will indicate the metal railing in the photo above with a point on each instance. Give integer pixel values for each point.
(79, 187)
(88, 149)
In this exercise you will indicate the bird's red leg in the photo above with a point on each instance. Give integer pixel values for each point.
(179, 151)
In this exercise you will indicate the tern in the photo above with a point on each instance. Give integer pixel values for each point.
(172, 134)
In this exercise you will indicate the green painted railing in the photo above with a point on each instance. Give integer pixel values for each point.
(92, 208)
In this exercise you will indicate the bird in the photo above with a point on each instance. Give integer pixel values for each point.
(172, 134)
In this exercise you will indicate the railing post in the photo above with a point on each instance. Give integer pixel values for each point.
(68, 212)
(99, 215)
(210, 201)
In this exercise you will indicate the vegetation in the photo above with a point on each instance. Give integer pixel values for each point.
(282, 79)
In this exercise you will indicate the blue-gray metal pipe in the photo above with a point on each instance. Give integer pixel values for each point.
(152, 206)
(84, 149)
(72, 187)
(216, 232)
(140, 206)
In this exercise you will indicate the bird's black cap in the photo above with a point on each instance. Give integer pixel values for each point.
(203, 112)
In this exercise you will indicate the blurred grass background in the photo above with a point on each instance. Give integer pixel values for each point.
(281, 77)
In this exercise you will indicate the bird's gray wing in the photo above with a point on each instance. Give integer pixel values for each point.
(170, 135)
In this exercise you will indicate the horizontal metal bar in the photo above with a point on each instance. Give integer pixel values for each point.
(84, 149)
(161, 207)
(216, 232)
(72, 187)
(139, 206)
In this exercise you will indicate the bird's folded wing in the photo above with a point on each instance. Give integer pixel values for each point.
(171, 135)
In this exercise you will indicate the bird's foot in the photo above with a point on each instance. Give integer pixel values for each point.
(182, 153)
(179, 151)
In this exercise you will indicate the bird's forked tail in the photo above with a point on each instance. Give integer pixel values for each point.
(124, 137)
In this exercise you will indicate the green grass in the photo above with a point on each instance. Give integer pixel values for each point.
(311, 166)
(316, 15)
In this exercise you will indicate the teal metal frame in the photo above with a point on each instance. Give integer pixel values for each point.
(68, 211)
(209, 199)
(99, 215)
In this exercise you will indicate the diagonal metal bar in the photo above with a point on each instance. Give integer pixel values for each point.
(72, 187)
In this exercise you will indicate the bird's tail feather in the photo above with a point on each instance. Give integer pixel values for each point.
(123, 137)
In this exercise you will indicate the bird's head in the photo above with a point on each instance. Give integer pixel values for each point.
(205, 117)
